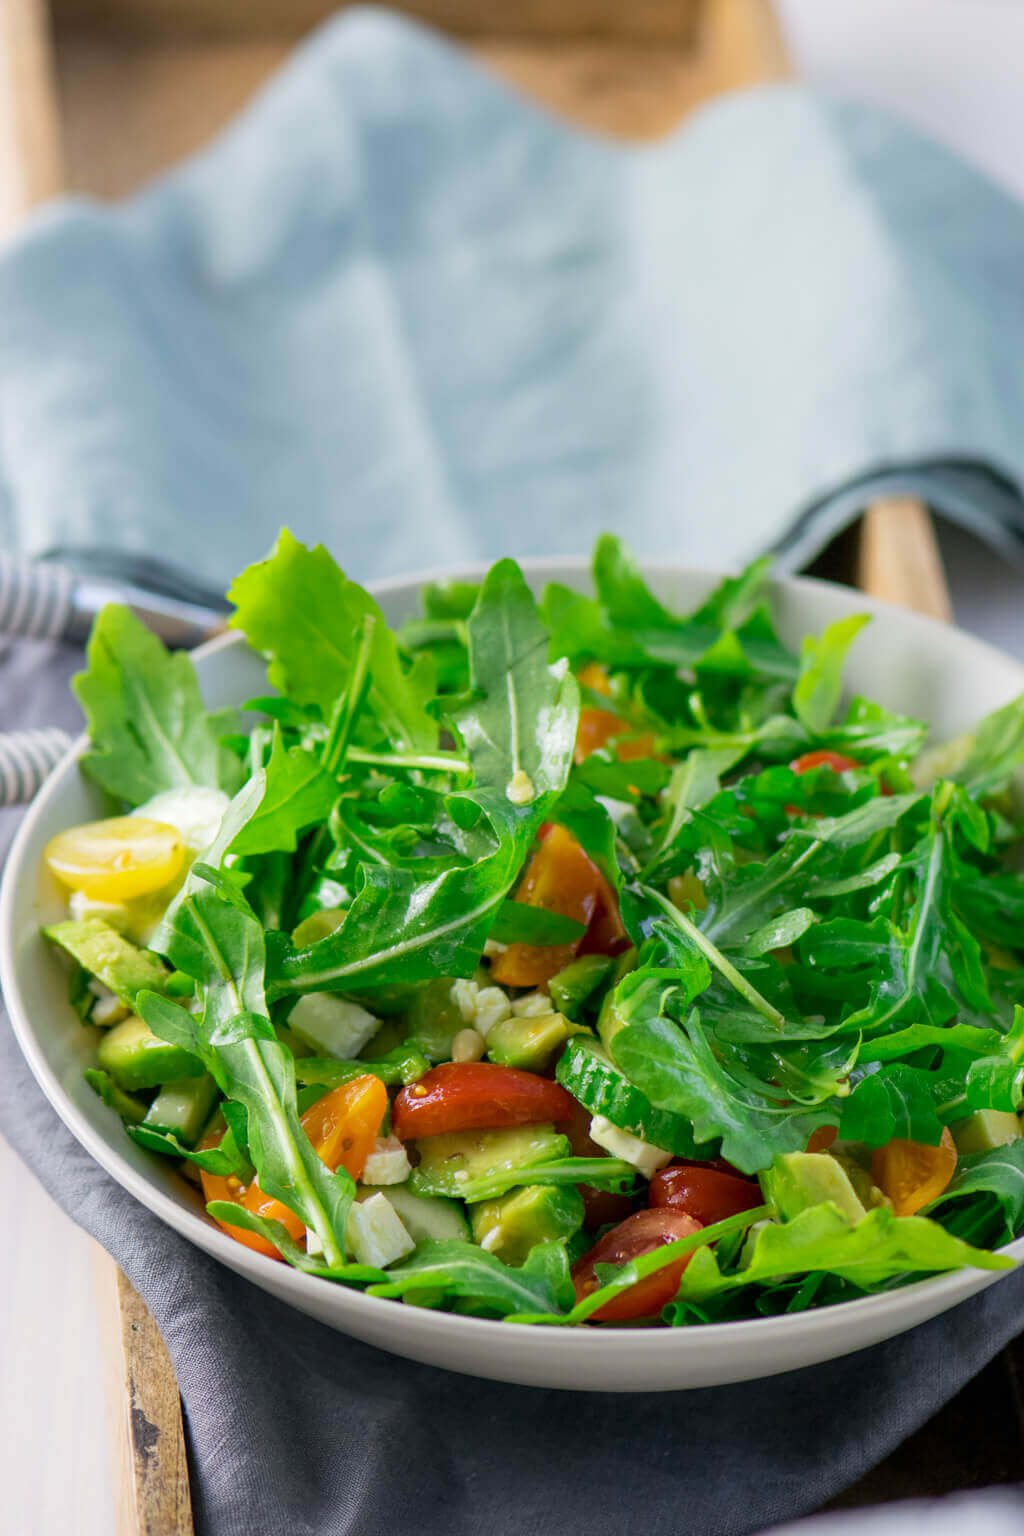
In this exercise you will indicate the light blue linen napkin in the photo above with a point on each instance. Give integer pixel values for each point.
(404, 310)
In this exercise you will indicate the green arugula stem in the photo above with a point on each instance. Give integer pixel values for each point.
(346, 711)
(715, 957)
(441, 762)
(649, 1264)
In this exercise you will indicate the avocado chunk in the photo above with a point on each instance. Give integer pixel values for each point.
(131, 1109)
(449, 1162)
(136, 1058)
(575, 983)
(528, 1042)
(424, 1216)
(540, 1213)
(122, 967)
(318, 925)
(985, 1130)
(182, 1108)
(434, 1019)
(797, 1180)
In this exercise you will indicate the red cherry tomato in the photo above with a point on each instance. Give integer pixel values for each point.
(476, 1095)
(640, 1233)
(561, 878)
(822, 759)
(707, 1194)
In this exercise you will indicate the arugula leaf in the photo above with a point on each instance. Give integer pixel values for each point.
(997, 752)
(984, 1202)
(216, 939)
(675, 1066)
(301, 610)
(225, 1159)
(296, 794)
(148, 728)
(517, 923)
(881, 1247)
(518, 728)
(820, 684)
(622, 591)
(597, 1172)
(997, 1081)
(461, 1270)
(895, 1100)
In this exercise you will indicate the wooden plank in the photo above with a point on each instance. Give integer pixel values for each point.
(899, 558)
(151, 1478)
(30, 160)
(650, 21)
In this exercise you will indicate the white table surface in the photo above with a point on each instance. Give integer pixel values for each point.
(952, 67)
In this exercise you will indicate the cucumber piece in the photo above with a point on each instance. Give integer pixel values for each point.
(425, 1216)
(447, 1163)
(182, 1108)
(122, 967)
(136, 1058)
(590, 1075)
(575, 983)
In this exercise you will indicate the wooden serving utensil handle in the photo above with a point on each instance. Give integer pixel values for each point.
(898, 558)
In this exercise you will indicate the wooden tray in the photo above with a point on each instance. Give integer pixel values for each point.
(91, 100)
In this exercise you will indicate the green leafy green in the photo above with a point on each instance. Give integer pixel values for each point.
(148, 729)
(819, 686)
(462, 1271)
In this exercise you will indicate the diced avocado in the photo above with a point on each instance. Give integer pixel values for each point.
(449, 1162)
(575, 983)
(424, 1216)
(528, 1042)
(319, 925)
(182, 1108)
(111, 958)
(985, 1130)
(333, 1025)
(511, 1226)
(401, 1065)
(798, 1180)
(685, 891)
(434, 1019)
(136, 1058)
(131, 1109)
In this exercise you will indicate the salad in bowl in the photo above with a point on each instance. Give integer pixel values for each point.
(571, 962)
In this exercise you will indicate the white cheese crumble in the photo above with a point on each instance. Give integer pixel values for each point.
(388, 1163)
(481, 1007)
(645, 1158)
(107, 1009)
(532, 1005)
(463, 995)
(376, 1233)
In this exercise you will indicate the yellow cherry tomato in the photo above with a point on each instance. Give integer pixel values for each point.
(117, 859)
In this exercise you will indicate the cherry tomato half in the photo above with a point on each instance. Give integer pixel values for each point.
(707, 1194)
(561, 878)
(912, 1174)
(342, 1127)
(598, 727)
(476, 1095)
(823, 759)
(640, 1233)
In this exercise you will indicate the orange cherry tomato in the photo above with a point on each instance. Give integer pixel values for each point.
(595, 677)
(598, 726)
(707, 1194)
(823, 759)
(912, 1174)
(476, 1095)
(640, 1233)
(561, 878)
(342, 1127)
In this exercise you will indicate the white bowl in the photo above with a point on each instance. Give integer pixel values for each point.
(909, 663)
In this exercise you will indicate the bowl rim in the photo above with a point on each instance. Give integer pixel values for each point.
(944, 1290)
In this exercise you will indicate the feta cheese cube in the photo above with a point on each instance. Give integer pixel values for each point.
(376, 1233)
(492, 1006)
(113, 913)
(464, 995)
(194, 811)
(532, 1005)
(332, 1024)
(388, 1163)
(645, 1158)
